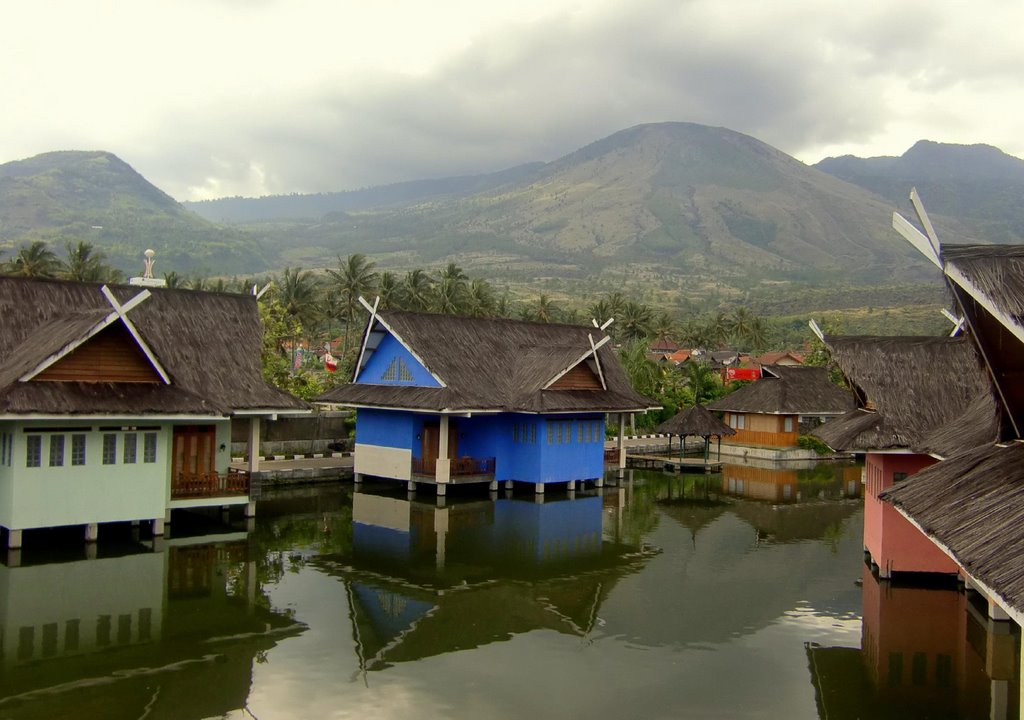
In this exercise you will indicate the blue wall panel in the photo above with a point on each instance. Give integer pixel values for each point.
(388, 428)
(390, 350)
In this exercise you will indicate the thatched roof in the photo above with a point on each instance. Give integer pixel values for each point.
(697, 421)
(973, 504)
(997, 271)
(494, 365)
(207, 343)
(789, 390)
(926, 394)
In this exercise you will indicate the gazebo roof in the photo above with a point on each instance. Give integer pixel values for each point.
(697, 421)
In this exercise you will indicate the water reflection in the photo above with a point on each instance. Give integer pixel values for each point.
(136, 634)
(421, 578)
(925, 652)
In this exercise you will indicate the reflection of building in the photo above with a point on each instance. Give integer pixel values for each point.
(75, 636)
(440, 593)
(925, 652)
(791, 482)
(443, 399)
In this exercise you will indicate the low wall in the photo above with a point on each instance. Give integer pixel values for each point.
(306, 435)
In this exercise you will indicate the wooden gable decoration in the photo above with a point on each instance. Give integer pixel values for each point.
(112, 355)
(580, 377)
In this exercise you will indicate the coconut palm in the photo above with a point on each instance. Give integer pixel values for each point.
(480, 298)
(701, 380)
(636, 321)
(354, 277)
(299, 294)
(34, 260)
(388, 290)
(543, 309)
(416, 290)
(85, 263)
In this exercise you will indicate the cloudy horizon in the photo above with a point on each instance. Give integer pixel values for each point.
(214, 99)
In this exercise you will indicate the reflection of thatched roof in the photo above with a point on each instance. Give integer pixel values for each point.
(973, 504)
(697, 421)
(802, 521)
(930, 394)
(207, 343)
(495, 364)
(788, 390)
(694, 515)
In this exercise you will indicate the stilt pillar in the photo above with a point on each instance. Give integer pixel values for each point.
(254, 445)
(158, 526)
(442, 489)
(13, 539)
(571, 486)
(622, 441)
(14, 558)
(92, 532)
(410, 486)
(508, 484)
(538, 488)
(493, 486)
(250, 509)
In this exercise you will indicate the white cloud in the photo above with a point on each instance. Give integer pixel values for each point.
(248, 98)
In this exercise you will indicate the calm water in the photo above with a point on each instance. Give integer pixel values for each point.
(735, 596)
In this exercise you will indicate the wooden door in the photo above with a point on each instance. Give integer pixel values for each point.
(194, 450)
(431, 446)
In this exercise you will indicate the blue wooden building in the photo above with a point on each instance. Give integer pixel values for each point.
(442, 399)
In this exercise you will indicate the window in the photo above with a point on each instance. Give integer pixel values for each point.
(56, 450)
(558, 432)
(533, 434)
(787, 424)
(109, 448)
(579, 432)
(566, 433)
(131, 441)
(149, 447)
(78, 449)
(515, 433)
(551, 433)
(899, 477)
(397, 370)
(741, 422)
(33, 450)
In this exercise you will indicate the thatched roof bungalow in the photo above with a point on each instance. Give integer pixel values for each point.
(696, 421)
(442, 398)
(116, 404)
(771, 410)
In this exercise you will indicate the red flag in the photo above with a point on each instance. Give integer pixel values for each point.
(330, 363)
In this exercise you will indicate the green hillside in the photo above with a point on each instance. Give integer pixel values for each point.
(96, 197)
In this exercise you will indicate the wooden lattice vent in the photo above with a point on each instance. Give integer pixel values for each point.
(580, 377)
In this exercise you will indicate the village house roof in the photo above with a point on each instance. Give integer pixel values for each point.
(973, 506)
(201, 351)
(697, 421)
(925, 394)
(780, 357)
(788, 390)
(993, 274)
(494, 365)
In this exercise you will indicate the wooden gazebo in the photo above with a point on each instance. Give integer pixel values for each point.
(697, 421)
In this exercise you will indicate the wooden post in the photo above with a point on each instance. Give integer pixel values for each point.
(444, 463)
(622, 441)
(254, 446)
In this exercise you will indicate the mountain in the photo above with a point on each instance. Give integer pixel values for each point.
(979, 184)
(317, 205)
(697, 209)
(97, 197)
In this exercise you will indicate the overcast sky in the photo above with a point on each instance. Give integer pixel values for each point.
(209, 98)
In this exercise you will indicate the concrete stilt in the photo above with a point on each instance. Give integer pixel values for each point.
(538, 488)
(508, 484)
(493, 486)
(410, 486)
(357, 478)
(159, 543)
(571, 486)
(167, 516)
(158, 527)
(92, 532)
(13, 539)
(250, 509)
(14, 558)
(250, 524)
(442, 490)
(599, 482)
(90, 551)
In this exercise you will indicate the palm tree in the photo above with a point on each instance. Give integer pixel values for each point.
(601, 311)
(173, 279)
(480, 298)
(450, 290)
(416, 290)
(86, 264)
(636, 321)
(664, 326)
(388, 290)
(643, 373)
(354, 277)
(34, 260)
(299, 294)
(700, 379)
(543, 310)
